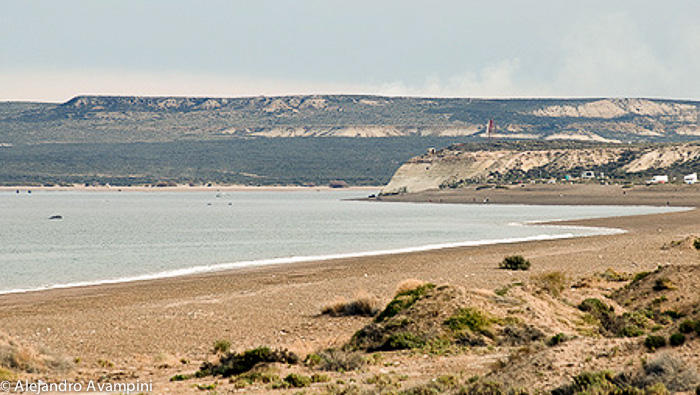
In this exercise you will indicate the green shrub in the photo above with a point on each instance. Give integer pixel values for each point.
(676, 339)
(297, 380)
(233, 364)
(600, 311)
(404, 300)
(696, 244)
(180, 377)
(663, 284)
(687, 326)
(515, 262)
(402, 341)
(653, 342)
(611, 274)
(256, 376)
(319, 378)
(633, 323)
(468, 318)
(640, 276)
(556, 339)
(221, 346)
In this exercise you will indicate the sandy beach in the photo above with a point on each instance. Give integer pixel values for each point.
(134, 324)
(181, 188)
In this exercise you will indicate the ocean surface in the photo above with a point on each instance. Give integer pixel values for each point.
(108, 237)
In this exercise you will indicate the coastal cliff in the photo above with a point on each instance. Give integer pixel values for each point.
(465, 164)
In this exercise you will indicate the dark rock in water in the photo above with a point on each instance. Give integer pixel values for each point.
(56, 217)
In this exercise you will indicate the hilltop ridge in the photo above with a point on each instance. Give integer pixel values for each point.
(128, 118)
(301, 140)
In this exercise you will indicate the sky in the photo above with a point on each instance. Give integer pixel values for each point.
(54, 50)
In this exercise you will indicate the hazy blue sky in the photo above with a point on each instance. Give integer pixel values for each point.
(53, 50)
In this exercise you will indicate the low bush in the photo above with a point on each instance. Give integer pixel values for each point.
(403, 300)
(653, 342)
(297, 380)
(469, 318)
(515, 262)
(672, 372)
(640, 276)
(557, 339)
(687, 326)
(676, 339)
(234, 363)
(663, 284)
(402, 341)
(340, 360)
(611, 274)
(599, 310)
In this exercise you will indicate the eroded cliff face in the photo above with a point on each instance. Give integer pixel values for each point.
(105, 118)
(454, 166)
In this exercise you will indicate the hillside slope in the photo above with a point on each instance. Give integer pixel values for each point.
(129, 119)
(460, 165)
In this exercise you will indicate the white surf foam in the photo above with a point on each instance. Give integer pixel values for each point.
(313, 258)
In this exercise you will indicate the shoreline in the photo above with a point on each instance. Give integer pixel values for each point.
(226, 268)
(182, 188)
(134, 323)
(232, 267)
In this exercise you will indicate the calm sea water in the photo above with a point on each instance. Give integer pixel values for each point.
(123, 236)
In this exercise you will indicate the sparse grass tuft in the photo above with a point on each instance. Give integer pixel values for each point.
(611, 274)
(221, 346)
(364, 305)
(554, 283)
(408, 285)
(340, 360)
(515, 262)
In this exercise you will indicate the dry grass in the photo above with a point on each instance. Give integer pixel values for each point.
(18, 357)
(553, 283)
(363, 304)
(409, 284)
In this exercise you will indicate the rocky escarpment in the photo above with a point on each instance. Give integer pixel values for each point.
(118, 119)
(460, 165)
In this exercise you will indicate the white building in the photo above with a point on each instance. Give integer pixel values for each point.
(690, 178)
(658, 180)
